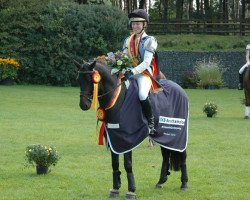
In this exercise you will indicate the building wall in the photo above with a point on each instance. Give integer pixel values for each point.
(176, 63)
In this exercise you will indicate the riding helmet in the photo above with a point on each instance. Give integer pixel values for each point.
(138, 15)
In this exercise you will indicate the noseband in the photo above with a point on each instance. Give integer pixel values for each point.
(89, 97)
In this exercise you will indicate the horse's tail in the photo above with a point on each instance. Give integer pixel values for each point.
(176, 159)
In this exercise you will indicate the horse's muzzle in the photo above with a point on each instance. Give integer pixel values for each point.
(84, 103)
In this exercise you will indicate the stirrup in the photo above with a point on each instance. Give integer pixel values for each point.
(113, 193)
(130, 195)
(153, 132)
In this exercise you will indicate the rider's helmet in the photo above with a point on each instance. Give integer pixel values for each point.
(138, 15)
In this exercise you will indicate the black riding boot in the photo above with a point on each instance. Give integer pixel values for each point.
(147, 111)
(240, 86)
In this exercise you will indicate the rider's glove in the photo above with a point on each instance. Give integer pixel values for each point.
(128, 74)
(248, 63)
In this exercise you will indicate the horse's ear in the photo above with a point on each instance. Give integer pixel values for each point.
(77, 64)
(92, 65)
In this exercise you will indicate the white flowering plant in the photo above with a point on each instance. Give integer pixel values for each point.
(41, 155)
(210, 109)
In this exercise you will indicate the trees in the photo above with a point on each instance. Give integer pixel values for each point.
(200, 10)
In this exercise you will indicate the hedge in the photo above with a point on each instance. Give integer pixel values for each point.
(38, 35)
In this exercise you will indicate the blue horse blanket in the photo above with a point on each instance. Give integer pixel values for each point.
(170, 108)
(171, 112)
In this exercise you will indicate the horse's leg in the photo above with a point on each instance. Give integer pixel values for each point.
(130, 176)
(116, 176)
(247, 112)
(184, 174)
(164, 167)
(247, 104)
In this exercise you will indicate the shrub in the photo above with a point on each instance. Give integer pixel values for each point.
(209, 73)
(46, 30)
(189, 80)
(8, 68)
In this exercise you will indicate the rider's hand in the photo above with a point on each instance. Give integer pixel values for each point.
(128, 74)
(248, 63)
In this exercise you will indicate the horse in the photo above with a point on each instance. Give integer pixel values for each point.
(107, 91)
(246, 86)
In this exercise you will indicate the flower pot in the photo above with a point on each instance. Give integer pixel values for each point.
(7, 81)
(41, 169)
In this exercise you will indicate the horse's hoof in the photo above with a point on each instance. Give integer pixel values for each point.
(159, 186)
(113, 193)
(130, 195)
(184, 186)
(246, 117)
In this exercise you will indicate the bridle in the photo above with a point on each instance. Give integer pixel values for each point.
(89, 97)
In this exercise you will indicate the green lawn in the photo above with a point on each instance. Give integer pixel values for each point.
(218, 149)
(201, 42)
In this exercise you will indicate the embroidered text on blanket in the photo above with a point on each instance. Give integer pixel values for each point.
(173, 121)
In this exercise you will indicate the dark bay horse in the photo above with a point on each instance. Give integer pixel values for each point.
(246, 86)
(107, 88)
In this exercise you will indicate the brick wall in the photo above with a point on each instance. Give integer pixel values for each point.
(175, 64)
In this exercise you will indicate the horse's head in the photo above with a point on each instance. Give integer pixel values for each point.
(85, 74)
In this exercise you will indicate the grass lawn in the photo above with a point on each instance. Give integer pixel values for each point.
(201, 42)
(218, 149)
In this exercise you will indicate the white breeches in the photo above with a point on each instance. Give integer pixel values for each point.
(242, 68)
(144, 84)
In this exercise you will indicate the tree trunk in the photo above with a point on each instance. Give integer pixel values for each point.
(225, 10)
(243, 17)
(207, 10)
(142, 4)
(165, 11)
(179, 12)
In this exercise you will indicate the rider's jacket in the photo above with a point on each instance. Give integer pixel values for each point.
(143, 53)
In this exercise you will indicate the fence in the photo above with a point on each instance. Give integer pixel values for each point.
(198, 28)
(175, 64)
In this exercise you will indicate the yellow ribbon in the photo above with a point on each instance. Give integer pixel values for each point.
(95, 97)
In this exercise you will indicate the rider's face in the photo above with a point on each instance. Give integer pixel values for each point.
(137, 27)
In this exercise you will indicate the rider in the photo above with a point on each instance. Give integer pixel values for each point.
(242, 69)
(141, 48)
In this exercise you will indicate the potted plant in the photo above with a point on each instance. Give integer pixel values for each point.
(210, 109)
(8, 70)
(209, 74)
(42, 156)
